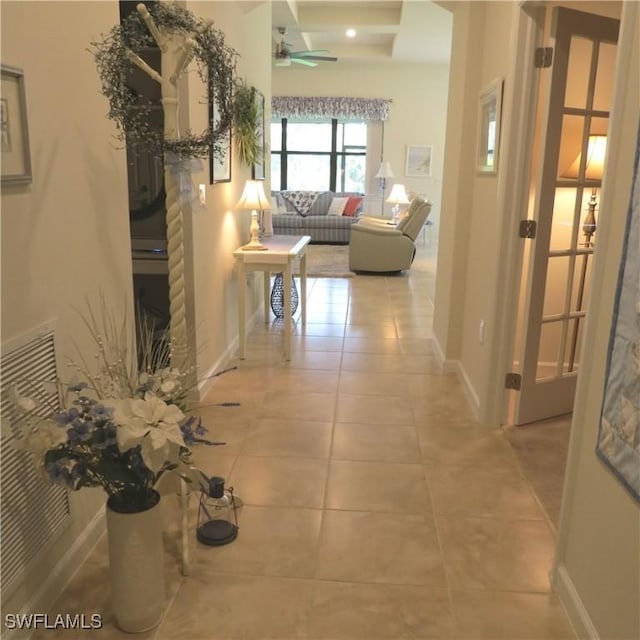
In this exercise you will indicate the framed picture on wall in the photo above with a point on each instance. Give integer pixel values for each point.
(418, 161)
(490, 110)
(14, 132)
(258, 169)
(219, 163)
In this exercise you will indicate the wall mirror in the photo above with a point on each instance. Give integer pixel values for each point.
(145, 170)
(489, 127)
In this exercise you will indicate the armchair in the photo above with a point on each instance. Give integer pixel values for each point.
(380, 247)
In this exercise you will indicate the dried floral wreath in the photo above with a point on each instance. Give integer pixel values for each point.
(133, 112)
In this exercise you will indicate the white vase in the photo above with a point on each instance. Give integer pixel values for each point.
(136, 567)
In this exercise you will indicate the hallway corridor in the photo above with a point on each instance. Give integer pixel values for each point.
(374, 506)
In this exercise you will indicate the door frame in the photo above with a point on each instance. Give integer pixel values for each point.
(549, 397)
(513, 192)
(614, 196)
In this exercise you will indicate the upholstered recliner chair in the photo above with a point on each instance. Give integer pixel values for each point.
(378, 246)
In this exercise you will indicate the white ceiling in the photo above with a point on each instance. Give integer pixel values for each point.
(387, 31)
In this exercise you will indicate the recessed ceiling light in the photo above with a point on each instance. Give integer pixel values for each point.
(351, 33)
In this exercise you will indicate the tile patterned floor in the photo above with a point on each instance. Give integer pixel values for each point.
(374, 506)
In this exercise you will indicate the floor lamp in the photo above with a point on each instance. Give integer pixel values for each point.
(384, 172)
(593, 170)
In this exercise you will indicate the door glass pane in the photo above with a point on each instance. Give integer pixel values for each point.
(605, 75)
(573, 347)
(570, 147)
(556, 286)
(581, 282)
(578, 72)
(599, 126)
(562, 224)
(549, 350)
(586, 222)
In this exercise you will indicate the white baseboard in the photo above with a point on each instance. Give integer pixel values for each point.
(207, 382)
(56, 581)
(469, 390)
(440, 355)
(455, 367)
(576, 611)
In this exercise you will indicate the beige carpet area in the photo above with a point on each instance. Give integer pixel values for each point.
(328, 261)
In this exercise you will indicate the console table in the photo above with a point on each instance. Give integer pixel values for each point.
(278, 258)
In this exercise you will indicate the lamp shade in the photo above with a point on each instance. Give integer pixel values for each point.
(384, 171)
(596, 150)
(253, 196)
(398, 195)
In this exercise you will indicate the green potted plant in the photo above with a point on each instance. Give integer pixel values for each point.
(246, 123)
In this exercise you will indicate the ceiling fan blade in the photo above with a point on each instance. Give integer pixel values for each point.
(314, 52)
(322, 58)
(304, 61)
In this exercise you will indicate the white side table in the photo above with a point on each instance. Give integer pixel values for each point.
(278, 258)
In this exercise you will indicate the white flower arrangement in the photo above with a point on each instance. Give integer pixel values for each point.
(119, 428)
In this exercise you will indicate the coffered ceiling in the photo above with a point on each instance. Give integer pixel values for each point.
(386, 31)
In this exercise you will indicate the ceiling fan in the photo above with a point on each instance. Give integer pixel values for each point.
(284, 56)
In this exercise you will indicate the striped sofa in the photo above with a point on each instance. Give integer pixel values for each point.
(322, 228)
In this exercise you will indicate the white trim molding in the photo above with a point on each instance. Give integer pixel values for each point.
(574, 607)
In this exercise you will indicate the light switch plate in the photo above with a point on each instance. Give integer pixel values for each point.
(202, 193)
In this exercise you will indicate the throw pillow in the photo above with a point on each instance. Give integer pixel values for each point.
(352, 206)
(274, 205)
(282, 205)
(301, 201)
(337, 206)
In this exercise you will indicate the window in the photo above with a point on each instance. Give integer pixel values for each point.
(318, 155)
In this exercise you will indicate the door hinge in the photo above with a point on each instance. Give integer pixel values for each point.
(513, 381)
(543, 57)
(528, 229)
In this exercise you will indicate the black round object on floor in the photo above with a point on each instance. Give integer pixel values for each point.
(217, 532)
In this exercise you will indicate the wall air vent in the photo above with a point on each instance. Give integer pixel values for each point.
(33, 511)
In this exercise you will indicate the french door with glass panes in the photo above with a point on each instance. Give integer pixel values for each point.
(566, 194)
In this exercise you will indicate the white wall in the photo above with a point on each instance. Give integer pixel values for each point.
(217, 229)
(65, 236)
(469, 240)
(417, 114)
(598, 553)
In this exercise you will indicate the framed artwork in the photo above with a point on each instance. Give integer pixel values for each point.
(418, 161)
(619, 429)
(14, 132)
(258, 169)
(489, 127)
(219, 163)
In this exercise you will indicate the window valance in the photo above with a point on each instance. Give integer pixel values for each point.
(324, 107)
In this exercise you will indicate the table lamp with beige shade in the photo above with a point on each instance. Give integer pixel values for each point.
(252, 199)
(397, 197)
(593, 170)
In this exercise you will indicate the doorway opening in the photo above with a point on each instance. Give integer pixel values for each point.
(572, 118)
